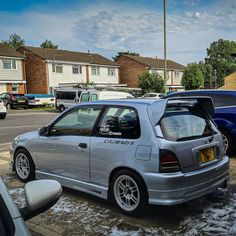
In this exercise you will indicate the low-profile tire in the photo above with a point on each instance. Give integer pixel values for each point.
(128, 192)
(24, 166)
(3, 116)
(61, 108)
(228, 142)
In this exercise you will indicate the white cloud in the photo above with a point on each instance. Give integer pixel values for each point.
(108, 28)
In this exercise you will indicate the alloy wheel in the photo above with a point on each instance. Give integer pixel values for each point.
(22, 166)
(126, 193)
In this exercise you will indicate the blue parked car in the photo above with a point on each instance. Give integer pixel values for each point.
(225, 113)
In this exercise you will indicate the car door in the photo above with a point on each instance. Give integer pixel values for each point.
(115, 143)
(65, 151)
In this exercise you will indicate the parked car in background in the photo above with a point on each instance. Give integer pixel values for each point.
(40, 99)
(14, 100)
(3, 110)
(152, 95)
(134, 152)
(40, 195)
(69, 97)
(225, 113)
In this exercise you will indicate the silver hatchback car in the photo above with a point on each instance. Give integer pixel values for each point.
(134, 152)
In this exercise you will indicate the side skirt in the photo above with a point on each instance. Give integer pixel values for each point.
(90, 188)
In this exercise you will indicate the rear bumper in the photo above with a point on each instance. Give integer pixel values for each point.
(175, 188)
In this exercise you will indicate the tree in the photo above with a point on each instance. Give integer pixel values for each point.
(14, 41)
(48, 44)
(219, 55)
(119, 54)
(208, 74)
(192, 77)
(151, 82)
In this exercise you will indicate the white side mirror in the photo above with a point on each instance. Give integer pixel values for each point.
(40, 195)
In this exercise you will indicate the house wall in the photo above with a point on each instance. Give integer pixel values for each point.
(21, 88)
(36, 73)
(11, 74)
(129, 71)
(171, 78)
(103, 77)
(3, 88)
(54, 79)
(86, 76)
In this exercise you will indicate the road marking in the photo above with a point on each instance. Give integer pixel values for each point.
(5, 144)
(19, 126)
(31, 113)
(3, 162)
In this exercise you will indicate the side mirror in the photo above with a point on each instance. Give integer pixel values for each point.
(43, 131)
(40, 195)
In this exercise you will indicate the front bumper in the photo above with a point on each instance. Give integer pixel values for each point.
(175, 188)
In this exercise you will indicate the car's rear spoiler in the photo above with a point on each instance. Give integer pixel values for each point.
(157, 109)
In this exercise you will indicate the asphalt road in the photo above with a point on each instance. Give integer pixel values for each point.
(22, 121)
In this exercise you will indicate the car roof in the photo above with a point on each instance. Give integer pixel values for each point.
(123, 102)
(218, 91)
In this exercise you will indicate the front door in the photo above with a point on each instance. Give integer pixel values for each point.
(65, 151)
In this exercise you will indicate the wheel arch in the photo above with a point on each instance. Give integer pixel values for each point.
(117, 169)
(22, 147)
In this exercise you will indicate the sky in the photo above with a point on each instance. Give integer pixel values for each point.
(108, 26)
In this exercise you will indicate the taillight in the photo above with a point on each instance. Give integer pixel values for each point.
(168, 161)
(12, 98)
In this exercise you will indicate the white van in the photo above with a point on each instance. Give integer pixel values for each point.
(69, 97)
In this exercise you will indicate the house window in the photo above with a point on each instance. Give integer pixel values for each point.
(176, 74)
(15, 87)
(95, 70)
(9, 64)
(57, 68)
(76, 69)
(111, 72)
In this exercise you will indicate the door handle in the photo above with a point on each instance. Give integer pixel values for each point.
(83, 145)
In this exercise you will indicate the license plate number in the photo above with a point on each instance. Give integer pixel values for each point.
(21, 101)
(207, 155)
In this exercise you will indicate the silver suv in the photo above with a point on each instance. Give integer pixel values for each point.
(134, 152)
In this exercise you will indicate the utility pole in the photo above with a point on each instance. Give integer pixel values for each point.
(165, 62)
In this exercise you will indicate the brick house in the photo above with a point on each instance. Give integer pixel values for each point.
(12, 70)
(49, 68)
(132, 66)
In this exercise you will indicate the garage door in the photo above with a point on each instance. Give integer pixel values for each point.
(3, 88)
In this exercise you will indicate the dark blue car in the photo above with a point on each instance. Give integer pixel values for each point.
(225, 113)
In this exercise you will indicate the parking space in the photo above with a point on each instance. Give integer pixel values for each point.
(77, 213)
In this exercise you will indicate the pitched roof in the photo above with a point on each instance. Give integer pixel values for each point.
(9, 52)
(156, 63)
(72, 56)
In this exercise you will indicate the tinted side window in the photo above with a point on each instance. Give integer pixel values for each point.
(66, 95)
(221, 100)
(119, 122)
(76, 122)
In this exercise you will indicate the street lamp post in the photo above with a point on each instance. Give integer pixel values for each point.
(165, 62)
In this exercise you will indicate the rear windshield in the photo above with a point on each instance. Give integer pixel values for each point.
(19, 96)
(185, 123)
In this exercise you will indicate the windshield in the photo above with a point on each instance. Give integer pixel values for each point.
(185, 123)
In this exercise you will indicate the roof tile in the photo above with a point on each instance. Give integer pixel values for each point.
(72, 56)
(156, 63)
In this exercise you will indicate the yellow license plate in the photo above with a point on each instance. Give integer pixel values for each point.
(21, 101)
(207, 155)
